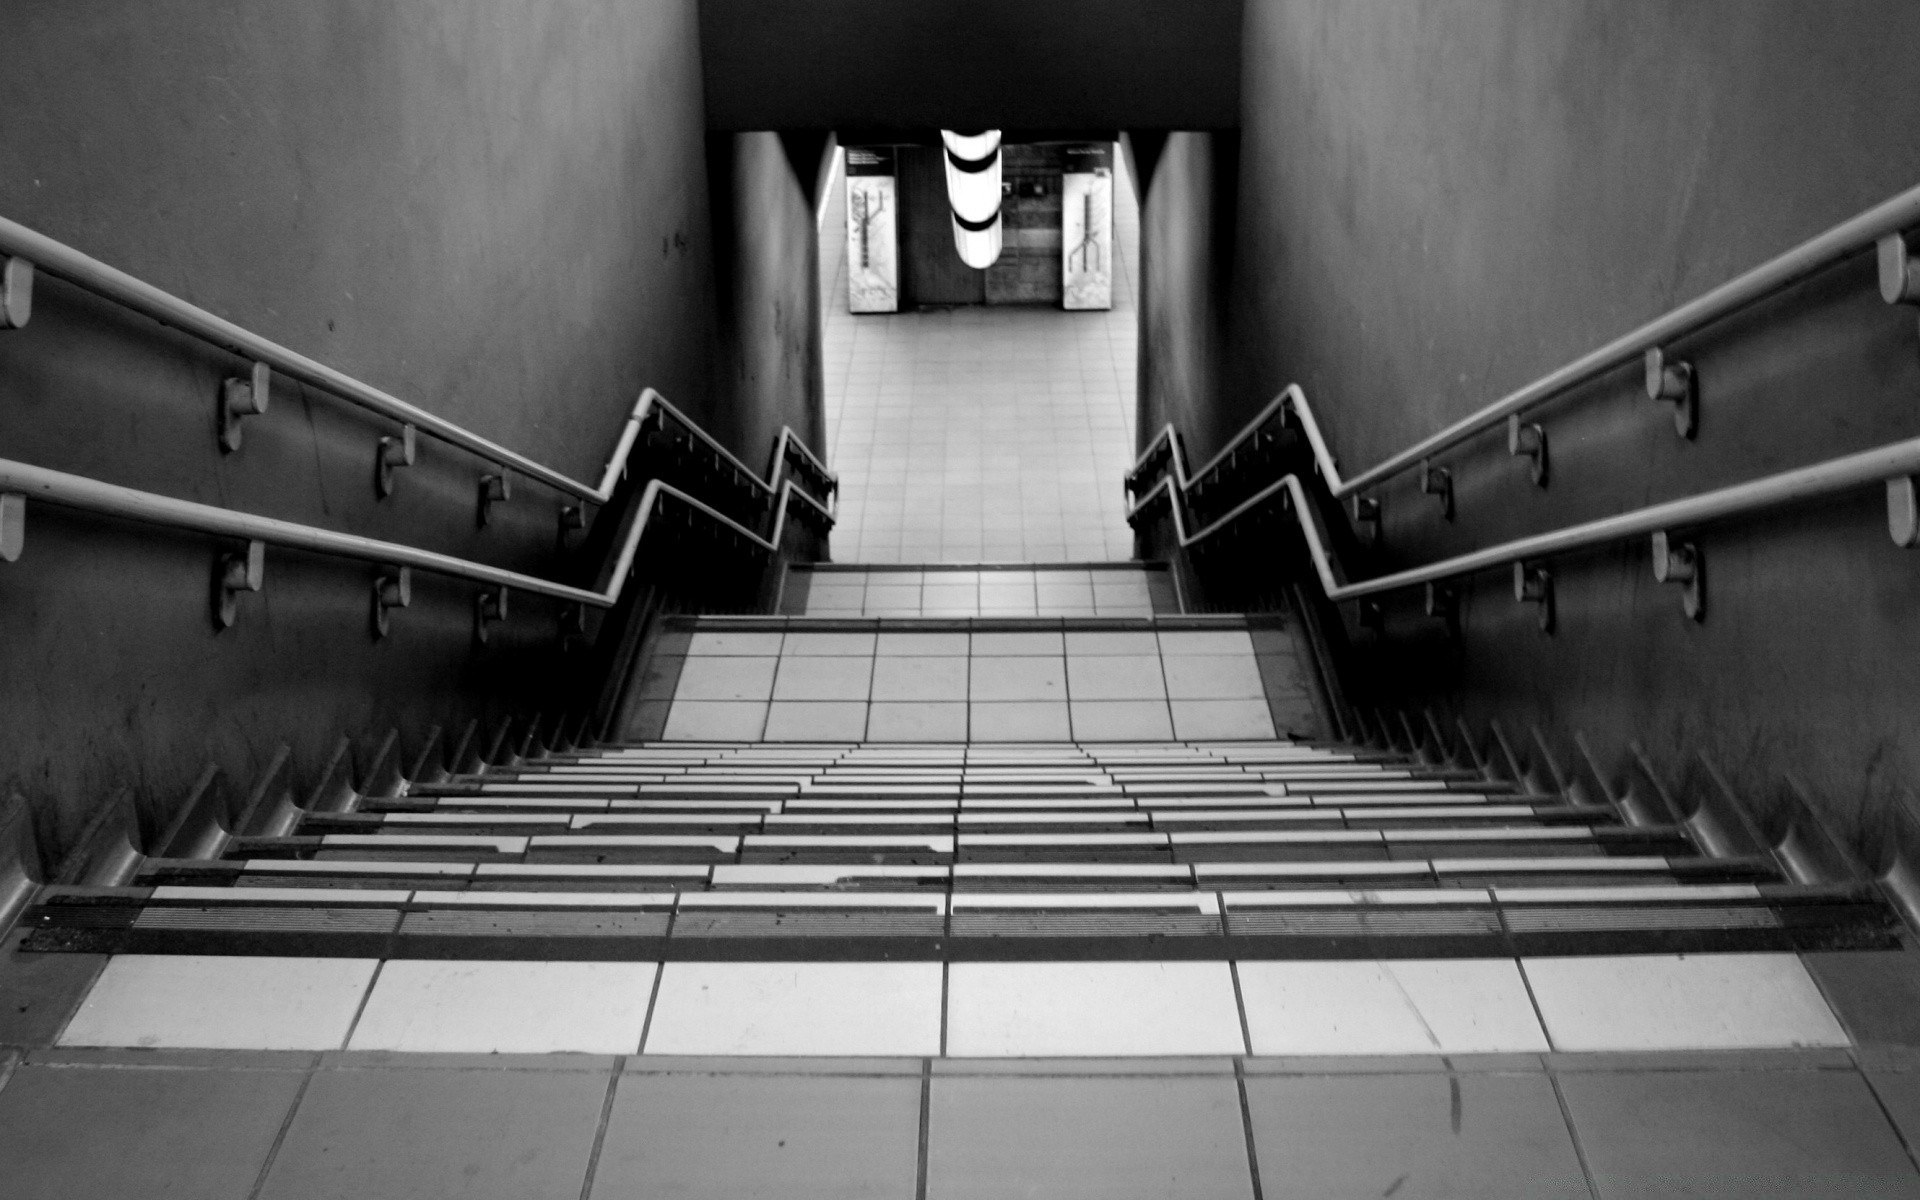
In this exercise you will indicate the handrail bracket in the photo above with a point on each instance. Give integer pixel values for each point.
(1675, 383)
(16, 292)
(233, 574)
(1682, 563)
(1529, 438)
(392, 454)
(241, 398)
(1438, 481)
(1534, 585)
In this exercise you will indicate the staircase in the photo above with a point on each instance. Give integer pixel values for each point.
(1057, 789)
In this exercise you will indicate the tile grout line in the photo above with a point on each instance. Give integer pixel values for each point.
(1573, 1134)
(653, 1000)
(1540, 1017)
(946, 969)
(1246, 1123)
(286, 1127)
(1239, 1000)
(1886, 1112)
(926, 1127)
(600, 1130)
(360, 1010)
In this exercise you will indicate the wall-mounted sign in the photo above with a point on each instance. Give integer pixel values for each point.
(1086, 227)
(873, 252)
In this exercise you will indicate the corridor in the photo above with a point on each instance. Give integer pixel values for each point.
(981, 434)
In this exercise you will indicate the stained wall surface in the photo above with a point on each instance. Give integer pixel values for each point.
(1438, 204)
(496, 211)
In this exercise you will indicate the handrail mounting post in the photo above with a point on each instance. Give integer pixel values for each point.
(1443, 601)
(494, 489)
(13, 525)
(240, 398)
(392, 588)
(16, 292)
(1534, 585)
(233, 574)
(488, 606)
(1366, 515)
(1682, 563)
(392, 454)
(573, 518)
(1529, 438)
(1372, 617)
(1675, 383)
(1903, 511)
(1899, 270)
(1438, 481)
(573, 625)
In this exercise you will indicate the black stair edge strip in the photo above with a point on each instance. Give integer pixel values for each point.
(1839, 931)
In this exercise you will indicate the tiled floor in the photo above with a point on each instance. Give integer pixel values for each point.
(981, 434)
(966, 1010)
(981, 686)
(912, 592)
(136, 1124)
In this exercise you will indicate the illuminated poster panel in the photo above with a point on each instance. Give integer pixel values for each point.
(873, 252)
(1086, 227)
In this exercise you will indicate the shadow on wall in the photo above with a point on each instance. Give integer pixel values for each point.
(1435, 207)
(500, 216)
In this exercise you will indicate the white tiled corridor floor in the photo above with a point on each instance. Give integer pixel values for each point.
(981, 434)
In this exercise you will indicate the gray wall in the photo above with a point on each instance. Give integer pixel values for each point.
(767, 272)
(1440, 202)
(963, 64)
(495, 210)
(1186, 233)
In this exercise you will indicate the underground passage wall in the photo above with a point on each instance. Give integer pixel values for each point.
(499, 212)
(1438, 204)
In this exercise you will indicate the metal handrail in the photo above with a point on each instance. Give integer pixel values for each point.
(42, 485)
(1851, 236)
(1890, 463)
(91, 274)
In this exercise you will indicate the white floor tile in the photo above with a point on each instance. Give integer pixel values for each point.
(1198, 641)
(1228, 719)
(1019, 722)
(720, 677)
(1098, 1009)
(1115, 677)
(816, 721)
(507, 1007)
(1428, 1006)
(1681, 1002)
(715, 720)
(916, 721)
(803, 643)
(1213, 677)
(922, 645)
(919, 678)
(1121, 720)
(1016, 678)
(851, 1008)
(220, 1002)
(823, 677)
(705, 643)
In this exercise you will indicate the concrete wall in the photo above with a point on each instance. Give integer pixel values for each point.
(495, 210)
(1441, 202)
(967, 64)
(1186, 235)
(767, 269)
